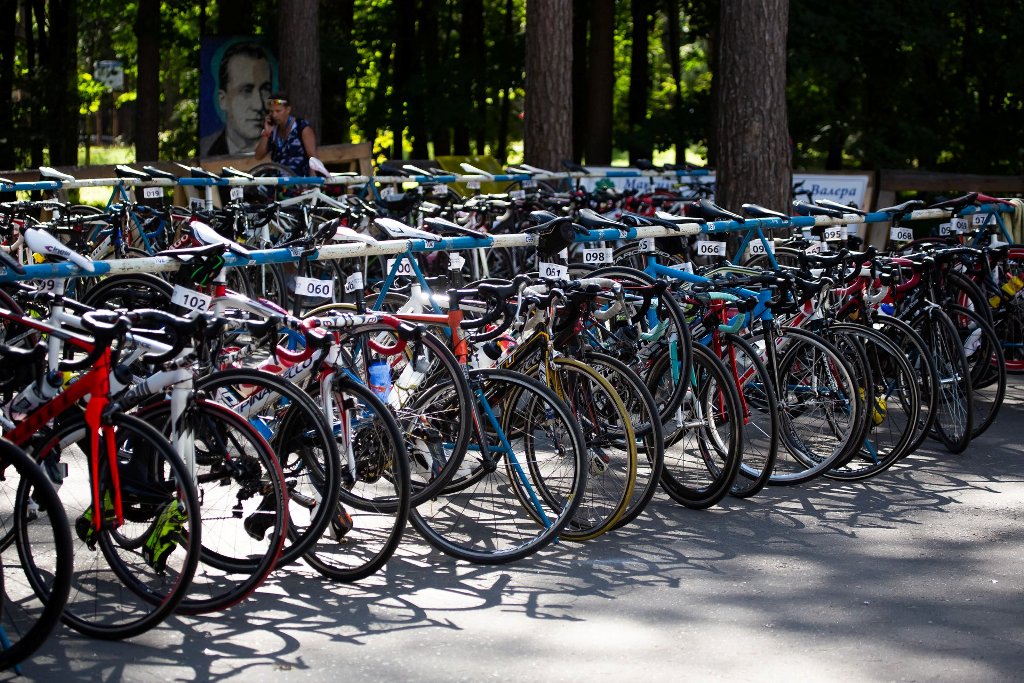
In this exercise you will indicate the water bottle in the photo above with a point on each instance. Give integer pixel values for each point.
(37, 393)
(380, 379)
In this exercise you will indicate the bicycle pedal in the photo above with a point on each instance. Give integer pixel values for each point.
(341, 524)
(263, 518)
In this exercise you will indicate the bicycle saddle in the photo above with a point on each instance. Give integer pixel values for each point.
(208, 236)
(397, 230)
(807, 209)
(42, 242)
(758, 211)
(593, 220)
(122, 171)
(48, 173)
(158, 173)
(446, 228)
(712, 211)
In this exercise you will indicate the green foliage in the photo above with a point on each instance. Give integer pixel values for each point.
(89, 93)
(927, 84)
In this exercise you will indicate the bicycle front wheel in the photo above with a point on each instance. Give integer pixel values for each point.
(704, 438)
(527, 441)
(145, 566)
(40, 531)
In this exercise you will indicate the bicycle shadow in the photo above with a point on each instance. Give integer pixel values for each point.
(668, 546)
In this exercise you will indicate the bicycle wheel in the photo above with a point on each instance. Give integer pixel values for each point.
(892, 409)
(437, 432)
(300, 435)
(39, 529)
(607, 429)
(659, 330)
(954, 414)
(131, 291)
(243, 503)
(128, 587)
(784, 256)
(926, 373)
(523, 431)
(374, 508)
(985, 357)
(760, 410)
(1009, 326)
(650, 437)
(819, 406)
(704, 440)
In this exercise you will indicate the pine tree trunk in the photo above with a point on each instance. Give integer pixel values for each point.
(8, 23)
(547, 118)
(753, 160)
(600, 70)
(299, 48)
(639, 81)
(147, 100)
(580, 81)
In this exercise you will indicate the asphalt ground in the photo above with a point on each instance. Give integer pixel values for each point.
(915, 575)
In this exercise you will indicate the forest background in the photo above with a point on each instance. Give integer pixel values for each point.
(922, 84)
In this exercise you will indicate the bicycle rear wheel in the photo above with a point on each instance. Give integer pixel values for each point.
(954, 419)
(892, 409)
(300, 435)
(374, 507)
(526, 439)
(244, 504)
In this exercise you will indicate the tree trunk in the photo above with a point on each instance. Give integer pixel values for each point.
(678, 115)
(600, 71)
(547, 119)
(417, 112)
(405, 58)
(753, 160)
(299, 48)
(639, 82)
(147, 100)
(580, 81)
(8, 23)
(60, 82)
(234, 17)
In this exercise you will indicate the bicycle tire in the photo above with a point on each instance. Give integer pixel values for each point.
(917, 353)
(647, 428)
(27, 618)
(611, 449)
(985, 357)
(760, 409)
(703, 440)
(131, 291)
(816, 387)
(483, 521)
(154, 481)
(377, 503)
(243, 504)
(892, 410)
(954, 419)
(299, 434)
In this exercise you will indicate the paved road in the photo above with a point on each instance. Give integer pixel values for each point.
(913, 576)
